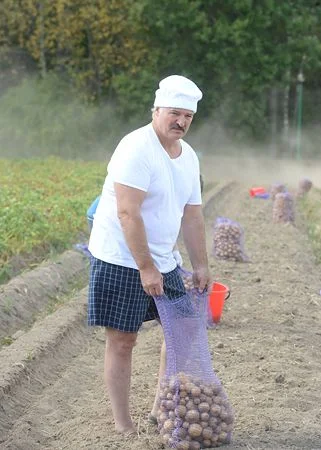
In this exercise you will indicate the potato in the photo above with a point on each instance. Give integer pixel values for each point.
(213, 422)
(181, 410)
(162, 417)
(181, 432)
(194, 445)
(183, 445)
(190, 404)
(195, 391)
(195, 430)
(215, 410)
(205, 416)
(224, 426)
(223, 437)
(203, 407)
(192, 416)
(207, 433)
(168, 425)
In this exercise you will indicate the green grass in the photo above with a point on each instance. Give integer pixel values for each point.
(43, 204)
(6, 341)
(310, 205)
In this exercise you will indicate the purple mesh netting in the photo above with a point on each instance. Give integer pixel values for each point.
(276, 188)
(228, 240)
(304, 187)
(194, 411)
(283, 208)
(187, 278)
(189, 286)
(83, 248)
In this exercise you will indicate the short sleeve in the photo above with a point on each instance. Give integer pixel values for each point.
(130, 165)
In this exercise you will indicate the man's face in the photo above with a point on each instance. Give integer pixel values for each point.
(173, 123)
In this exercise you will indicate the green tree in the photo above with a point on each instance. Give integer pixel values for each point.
(235, 50)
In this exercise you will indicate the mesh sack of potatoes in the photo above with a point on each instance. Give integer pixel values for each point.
(276, 188)
(304, 187)
(283, 208)
(194, 411)
(228, 240)
(187, 277)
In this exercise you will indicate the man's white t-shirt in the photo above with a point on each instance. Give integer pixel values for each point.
(141, 162)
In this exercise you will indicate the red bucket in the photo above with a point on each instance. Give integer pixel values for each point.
(257, 190)
(217, 297)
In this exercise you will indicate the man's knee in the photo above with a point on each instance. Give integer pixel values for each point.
(119, 341)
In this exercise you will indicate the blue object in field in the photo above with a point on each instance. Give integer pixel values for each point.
(92, 208)
(262, 195)
(91, 212)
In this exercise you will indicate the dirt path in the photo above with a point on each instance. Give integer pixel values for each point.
(265, 351)
(26, 296)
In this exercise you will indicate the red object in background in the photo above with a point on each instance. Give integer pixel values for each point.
(257, 190)
(217, 297)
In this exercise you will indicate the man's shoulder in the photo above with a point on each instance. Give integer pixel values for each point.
(136, 145)
(137, 135)
(188, 149)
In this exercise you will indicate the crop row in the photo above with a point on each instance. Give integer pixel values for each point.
(43, 204)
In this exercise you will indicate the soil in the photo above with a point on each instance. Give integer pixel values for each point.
(265, 351)
(30, 293)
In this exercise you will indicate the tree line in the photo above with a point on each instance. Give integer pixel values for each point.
(244, 54)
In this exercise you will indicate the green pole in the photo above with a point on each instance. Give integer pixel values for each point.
(299, 119)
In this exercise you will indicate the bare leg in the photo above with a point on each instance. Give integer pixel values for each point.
(118, 361)
(161, 373)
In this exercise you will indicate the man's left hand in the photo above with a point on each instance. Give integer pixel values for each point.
(202, 279)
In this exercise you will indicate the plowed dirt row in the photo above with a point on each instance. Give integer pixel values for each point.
(265, 350)
(29, 294)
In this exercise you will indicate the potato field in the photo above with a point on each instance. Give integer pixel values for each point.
(265, 349)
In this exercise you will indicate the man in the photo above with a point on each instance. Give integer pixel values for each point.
(92, 210)
(151, 191)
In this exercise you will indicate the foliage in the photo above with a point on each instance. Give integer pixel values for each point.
(236, 50)
(91, 41)
(44, 203)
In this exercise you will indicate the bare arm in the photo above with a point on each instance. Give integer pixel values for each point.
(129, 201)
(193, 229)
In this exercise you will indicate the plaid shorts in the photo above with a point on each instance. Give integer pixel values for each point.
(116, 297)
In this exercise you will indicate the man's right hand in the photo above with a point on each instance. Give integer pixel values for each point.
(152, 281)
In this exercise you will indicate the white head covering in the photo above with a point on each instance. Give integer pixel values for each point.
(176, 91)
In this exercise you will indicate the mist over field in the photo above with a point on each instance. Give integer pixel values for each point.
(41, 118)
